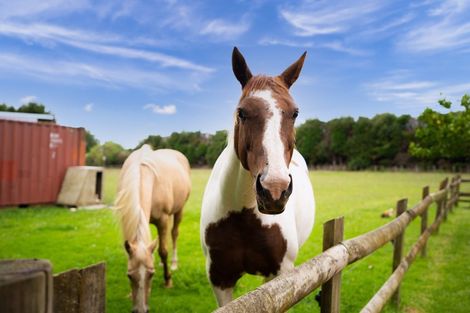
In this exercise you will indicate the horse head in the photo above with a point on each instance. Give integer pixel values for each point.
(264, 134)
(140, 270)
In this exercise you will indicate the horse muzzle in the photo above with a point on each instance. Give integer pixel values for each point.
(266, 203)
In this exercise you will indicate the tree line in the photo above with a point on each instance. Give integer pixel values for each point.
(433, 139)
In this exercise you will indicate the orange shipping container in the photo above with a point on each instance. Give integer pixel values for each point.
(34, 158)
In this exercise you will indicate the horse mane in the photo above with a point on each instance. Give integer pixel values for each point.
(261, 82)
(134, 223)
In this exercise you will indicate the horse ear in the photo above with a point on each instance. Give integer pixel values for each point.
(128, 248)
(290, 75)
(152, 246)
(240, 68)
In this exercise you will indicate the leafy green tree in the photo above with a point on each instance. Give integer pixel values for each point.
(155, 141)
(360, 144)
(91, 140)
(216, 145)
(337, 134)
(33, 107)
(309, 137)
(192, 144)
(443, 135)
(108, 154)
(6, 108)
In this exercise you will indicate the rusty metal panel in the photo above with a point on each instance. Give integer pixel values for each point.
(34, 158)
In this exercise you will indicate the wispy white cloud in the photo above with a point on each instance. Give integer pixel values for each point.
(340, 47)
(28, 99)
(312, 18)
(400, 89)
(446, 28)
(224, 29)
(269, 41)
(30, 8)
(97, 43)
(164, 110)
(88, 107)
(108, 75)
(337, 46)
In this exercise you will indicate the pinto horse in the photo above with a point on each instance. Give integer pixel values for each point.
(258, 206)
(153, 187)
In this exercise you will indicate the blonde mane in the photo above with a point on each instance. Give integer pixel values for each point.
(134, 223)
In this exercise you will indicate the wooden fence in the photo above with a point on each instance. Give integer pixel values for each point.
(324, 270)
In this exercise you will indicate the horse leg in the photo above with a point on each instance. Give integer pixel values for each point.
(174, 236)
(223, 296)
(162, 227)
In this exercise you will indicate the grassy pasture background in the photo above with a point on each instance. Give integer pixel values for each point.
(438, 283)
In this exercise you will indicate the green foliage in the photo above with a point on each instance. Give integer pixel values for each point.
(443, 136)
(91, 140)
(309, 137)
(156, 142)
(382, 140)
(108, 154)
(31, 107)
(6, 108)
(192, 144)
(200, 149)
(216, 145)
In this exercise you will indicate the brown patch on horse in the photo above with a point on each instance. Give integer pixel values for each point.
(240, 244)
(251, 120)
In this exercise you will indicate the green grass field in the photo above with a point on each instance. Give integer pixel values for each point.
(438, 283)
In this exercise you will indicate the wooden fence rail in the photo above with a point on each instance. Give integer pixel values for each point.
(281, 293)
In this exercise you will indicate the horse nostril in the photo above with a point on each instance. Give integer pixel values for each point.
(286, 193)
(259, 188)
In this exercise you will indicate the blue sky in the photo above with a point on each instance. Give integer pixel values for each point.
(127, 69)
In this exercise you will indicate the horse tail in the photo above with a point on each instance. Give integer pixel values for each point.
(128, 205)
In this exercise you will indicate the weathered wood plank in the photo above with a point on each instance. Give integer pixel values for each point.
(398, 248)
(25, 286)
(93, 289)
(67, 292)
(424, 219)
(379, 300)
(441, 202)
(80, 291)
(330, 292)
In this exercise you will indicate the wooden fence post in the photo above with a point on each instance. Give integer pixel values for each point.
(331, 290)
(445, 200)
(424, 219)
(81, 290)
(452, 194)
(440, 203)
(398, 249)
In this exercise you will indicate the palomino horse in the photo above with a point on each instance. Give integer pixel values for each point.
(153, 186)
(258, 206)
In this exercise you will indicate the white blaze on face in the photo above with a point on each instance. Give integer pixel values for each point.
(276, 170)
(140, 297)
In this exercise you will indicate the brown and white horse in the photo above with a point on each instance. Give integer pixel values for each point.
(153, 187)
(258, 206)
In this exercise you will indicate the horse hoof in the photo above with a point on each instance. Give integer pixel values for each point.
(174, 266)
(169, 284)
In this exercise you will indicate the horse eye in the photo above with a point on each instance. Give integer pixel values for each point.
(129, 276)
(296, 113)
(241, 114)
